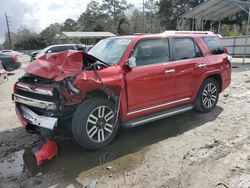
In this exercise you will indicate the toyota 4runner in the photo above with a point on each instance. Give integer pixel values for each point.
(122, 81)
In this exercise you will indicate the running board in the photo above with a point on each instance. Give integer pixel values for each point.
(156, 116)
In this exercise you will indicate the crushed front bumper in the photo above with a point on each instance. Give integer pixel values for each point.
(34, 103)
(26, 114)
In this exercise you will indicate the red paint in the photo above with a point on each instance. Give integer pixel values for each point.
(14, 58)
(47, 152)
(57, 66)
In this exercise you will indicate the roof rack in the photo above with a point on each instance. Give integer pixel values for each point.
(141, 33)
(187, 32)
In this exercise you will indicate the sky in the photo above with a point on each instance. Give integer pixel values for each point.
(38, 14)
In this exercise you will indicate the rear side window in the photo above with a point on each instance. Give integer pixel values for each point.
(62, 48)
(186, 48)
(213, 43)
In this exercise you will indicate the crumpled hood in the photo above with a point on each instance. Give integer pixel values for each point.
(57, 66)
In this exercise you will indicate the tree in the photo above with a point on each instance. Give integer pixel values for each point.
(170, 10)
(49, 33)
(115, 8)
(137, 21)
(69, 25)
(152, 18)
(94, 19)
(124, 27)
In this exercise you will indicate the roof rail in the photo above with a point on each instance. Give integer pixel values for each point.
(187, 32)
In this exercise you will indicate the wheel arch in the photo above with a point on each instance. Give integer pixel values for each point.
(97, 93)
(101, 93)
(217, 76)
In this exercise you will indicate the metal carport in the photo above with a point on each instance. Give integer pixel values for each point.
(215, 11)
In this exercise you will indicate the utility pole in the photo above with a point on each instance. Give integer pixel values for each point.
(8, 27)
(143, 16)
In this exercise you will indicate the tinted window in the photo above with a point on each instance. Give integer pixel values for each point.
(214, 45)
(185, 48)
(151, 51)
(60, 49)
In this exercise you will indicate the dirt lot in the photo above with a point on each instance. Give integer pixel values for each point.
(187, 150)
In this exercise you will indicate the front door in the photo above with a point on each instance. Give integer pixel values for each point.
(152, 81)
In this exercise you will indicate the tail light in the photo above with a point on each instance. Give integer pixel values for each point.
(14, 58)
(229, 58)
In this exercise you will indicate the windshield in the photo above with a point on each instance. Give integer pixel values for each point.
(110, 50)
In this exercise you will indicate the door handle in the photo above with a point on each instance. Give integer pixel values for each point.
(202, 65)
(169, 71)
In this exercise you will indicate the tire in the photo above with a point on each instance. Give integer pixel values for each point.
(207, 96)
(93, 123)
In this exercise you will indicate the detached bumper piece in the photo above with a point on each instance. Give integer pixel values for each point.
(47, 152)
(34, 119)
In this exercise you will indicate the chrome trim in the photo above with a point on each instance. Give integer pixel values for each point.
(34, 102)
(169, 71)
(161, 116)
(158, 106)
(202, 65)
(36, 90)
(40, 121)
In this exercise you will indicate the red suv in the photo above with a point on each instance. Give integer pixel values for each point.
(122, 81)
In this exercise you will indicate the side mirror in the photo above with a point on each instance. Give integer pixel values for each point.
(49, 51)
(131, 62)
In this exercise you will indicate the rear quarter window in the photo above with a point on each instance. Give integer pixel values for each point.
(186, 48)
(214, 44)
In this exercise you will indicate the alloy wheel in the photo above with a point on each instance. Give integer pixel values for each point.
(209, 95)
(100, 124)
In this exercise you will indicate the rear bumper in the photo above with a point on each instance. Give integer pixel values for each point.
(226, 77)
(27, 116)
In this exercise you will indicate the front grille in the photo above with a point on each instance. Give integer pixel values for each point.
(36, 96)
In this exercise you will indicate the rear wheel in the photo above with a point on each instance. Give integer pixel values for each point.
(93, 123)
(208, 96)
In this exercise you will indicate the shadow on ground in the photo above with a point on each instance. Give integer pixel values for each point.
(72, 159)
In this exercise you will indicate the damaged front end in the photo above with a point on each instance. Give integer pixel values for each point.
(46, 95)
(55, 84)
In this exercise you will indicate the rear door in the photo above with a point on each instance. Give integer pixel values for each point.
(189, 66)
(152, 81)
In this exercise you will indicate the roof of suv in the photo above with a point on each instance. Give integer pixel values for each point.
(171, 33)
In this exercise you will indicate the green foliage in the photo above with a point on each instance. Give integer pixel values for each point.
(170, 10)
(93, 19)
(49, 33)
(1, 47)
(227, 30)
(69, 25)
(115, 8)
(124, 27)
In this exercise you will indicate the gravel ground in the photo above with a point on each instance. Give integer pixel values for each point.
(187, 150)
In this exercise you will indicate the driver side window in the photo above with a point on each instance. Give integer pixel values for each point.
(151, 51)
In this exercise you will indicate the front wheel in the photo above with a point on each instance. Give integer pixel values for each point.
(207, 96)
(93, 123)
